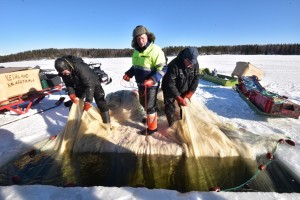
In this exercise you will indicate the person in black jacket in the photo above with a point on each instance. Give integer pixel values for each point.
(82, 82)
(180, 81)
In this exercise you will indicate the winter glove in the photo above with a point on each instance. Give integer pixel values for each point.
(87, 106)
(181, 101)
(148, 82)
(73, 98)
(188, 95)
(126, 77)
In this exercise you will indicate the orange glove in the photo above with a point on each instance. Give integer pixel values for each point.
(188, 95)
(181, 101)
(73, 98)
(87, 106)
(126, 77)
(148, 82)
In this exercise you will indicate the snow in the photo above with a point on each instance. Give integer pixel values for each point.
(282, 77)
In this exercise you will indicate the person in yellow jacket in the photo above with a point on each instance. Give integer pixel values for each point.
(148, 67)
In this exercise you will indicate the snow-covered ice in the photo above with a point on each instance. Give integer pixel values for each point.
(282, 77)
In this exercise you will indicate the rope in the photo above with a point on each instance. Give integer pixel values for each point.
(146, 109)
(261, 168)
(124, 84)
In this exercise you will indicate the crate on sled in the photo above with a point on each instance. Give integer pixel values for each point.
(17, 81)
(247, 69)
(22, 88)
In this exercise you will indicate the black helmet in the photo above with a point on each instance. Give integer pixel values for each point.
(61, 64)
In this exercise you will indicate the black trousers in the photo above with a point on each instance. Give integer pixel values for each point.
(169, 106)
(98, 96)
(150, 99)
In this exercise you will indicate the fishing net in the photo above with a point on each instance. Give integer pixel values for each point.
(199, 133)
(198, 152)
(202, 133)
(85, 131)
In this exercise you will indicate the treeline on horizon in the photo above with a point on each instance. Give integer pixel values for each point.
(51, 53)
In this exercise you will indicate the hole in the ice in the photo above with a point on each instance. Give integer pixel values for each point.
(151, 171)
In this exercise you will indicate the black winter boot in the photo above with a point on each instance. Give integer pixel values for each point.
(170, 119)
(105, 117)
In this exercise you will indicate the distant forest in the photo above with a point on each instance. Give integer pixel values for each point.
(277, 49)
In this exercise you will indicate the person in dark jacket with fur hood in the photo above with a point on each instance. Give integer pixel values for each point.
(181, 81)
(82, 82)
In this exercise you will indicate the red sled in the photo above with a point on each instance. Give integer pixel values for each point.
(265, 102)
(22, 103)
(23, 87)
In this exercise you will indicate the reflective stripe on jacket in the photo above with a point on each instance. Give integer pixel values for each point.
(148, 64)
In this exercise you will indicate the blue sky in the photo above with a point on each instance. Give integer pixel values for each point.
(39, 24)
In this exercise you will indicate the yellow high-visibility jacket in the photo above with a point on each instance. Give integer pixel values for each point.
(151, 63)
